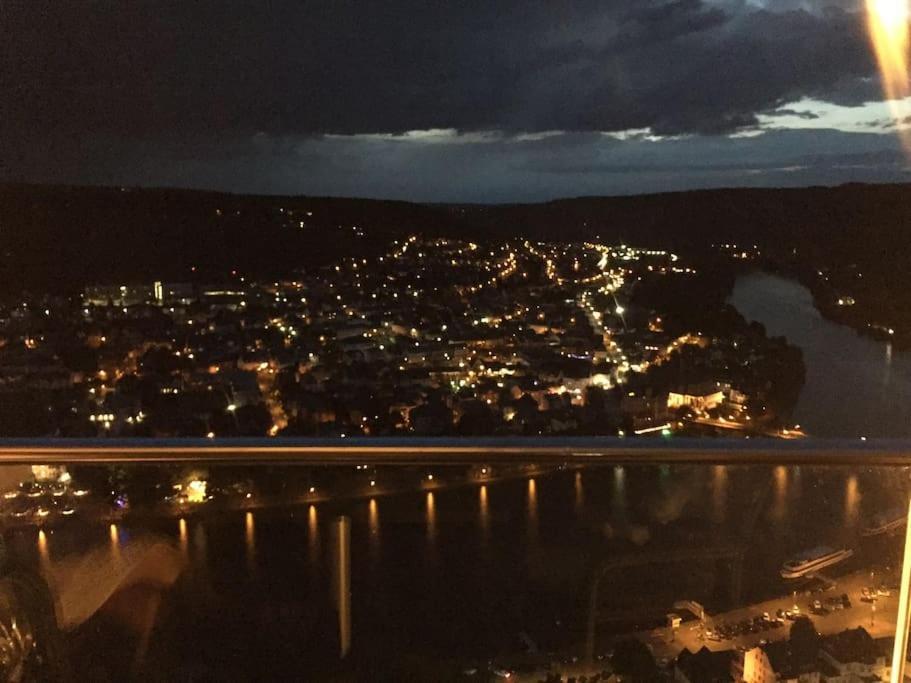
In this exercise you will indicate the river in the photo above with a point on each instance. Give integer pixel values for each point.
(855, 386)
(458, 574)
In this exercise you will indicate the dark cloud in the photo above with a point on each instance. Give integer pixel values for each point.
(142, 68)
(244, 95)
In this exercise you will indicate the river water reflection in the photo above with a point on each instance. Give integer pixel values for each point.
(855, 386)
(463, 571)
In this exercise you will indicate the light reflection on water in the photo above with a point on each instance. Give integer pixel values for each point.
(786, 510)
(373, 527)
(431, 515)
(556, 513)
(312, 535)
(483, 513)
(183, 538)
(532, 509)
(579, 493)
(780, 505)
(114, 534)
(43, 552)
(719, 493)
(373, 517)
(852, 502)
(250, 541)
(534, 557)
(618, 500)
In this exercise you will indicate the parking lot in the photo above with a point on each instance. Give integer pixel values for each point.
(858, 599)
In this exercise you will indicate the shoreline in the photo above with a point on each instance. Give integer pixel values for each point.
(823, 294)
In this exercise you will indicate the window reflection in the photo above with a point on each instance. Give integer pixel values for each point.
(583, 557)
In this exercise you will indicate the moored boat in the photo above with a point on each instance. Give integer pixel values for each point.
(813, 560)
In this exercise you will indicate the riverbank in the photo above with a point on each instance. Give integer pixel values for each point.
(370, 485)
(839, 302)
(878, 617)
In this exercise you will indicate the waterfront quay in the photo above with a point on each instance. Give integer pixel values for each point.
(877, 617)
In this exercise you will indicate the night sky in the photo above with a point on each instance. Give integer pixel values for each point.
(494, 100)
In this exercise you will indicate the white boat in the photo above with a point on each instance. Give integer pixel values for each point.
(810, 561)
(885, 522)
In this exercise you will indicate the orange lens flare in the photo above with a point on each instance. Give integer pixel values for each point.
(903, 621)
(887, 22)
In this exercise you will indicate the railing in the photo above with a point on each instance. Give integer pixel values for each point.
(408, 451)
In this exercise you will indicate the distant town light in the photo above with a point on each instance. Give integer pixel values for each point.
(196, 491)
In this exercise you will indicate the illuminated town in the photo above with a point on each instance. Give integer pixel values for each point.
(433, 337)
